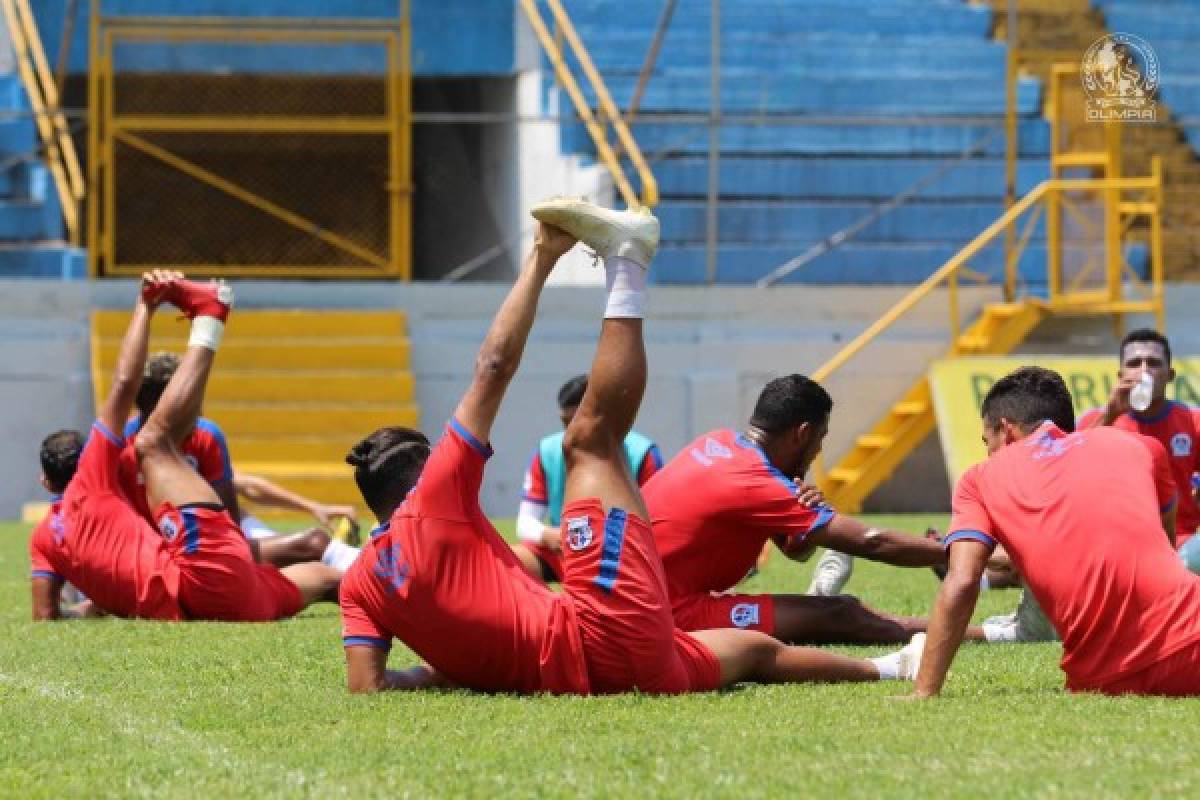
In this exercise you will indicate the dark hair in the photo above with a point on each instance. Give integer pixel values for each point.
(1145, 335)
(789, 401)
(155, 377)
(1027, 397)
(60, 457)
(571, 393)
(387, 464)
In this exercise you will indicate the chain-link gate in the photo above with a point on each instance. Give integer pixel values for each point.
(250, 147)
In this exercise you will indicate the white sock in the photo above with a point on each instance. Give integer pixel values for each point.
(888, 666)
(339, 555)
(1000, 634)
(625, 280)
(984, 583)
(255, 528)
(206, 332)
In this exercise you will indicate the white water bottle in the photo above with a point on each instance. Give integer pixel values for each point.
(1142, 395)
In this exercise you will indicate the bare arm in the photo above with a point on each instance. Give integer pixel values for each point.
(46, 593)
(229, 499)
(951, 613)
(259, 490)
(848, 535)
(127, 377)
(500, 354)
(367, 672)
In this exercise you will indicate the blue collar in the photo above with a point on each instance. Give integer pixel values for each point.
(381, 529)
(1170, 404)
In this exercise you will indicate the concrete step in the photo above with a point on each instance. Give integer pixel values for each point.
(329, 387)
(247, 419)
(276, 324)
(289, 354)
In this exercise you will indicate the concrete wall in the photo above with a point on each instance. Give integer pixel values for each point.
(710, 352)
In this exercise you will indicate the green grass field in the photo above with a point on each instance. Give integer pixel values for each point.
(118, 708)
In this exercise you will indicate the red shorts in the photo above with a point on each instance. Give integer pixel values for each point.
(1177, 675)
(219, 579)
(614, 576)
(699, 612)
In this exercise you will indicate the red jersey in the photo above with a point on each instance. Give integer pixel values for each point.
(715, 505)
(1079, 515)
(46, 537)
(1177, 428)
(205, 449)
(109, 552)
(440, 578)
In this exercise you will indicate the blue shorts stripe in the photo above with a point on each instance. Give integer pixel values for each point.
(42, 573)
(610, 555)
(191, 532)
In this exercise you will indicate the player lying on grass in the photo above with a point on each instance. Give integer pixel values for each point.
(206, 449)
(1086, 517)
(437, 575)
(716, 504)
(197, 564)
(539, 517)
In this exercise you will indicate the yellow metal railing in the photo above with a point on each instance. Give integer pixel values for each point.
(608, 112)
(55, 135)
(1109, 300)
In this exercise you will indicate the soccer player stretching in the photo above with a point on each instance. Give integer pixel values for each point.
(437, 576)
(197, 564)
(1086, 518)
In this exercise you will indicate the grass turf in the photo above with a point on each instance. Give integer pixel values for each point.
(119, 708)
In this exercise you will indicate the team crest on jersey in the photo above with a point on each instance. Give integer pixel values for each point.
(743, 615)
(1181, 445)
(579, 533)
(169, 529)
(712, 450)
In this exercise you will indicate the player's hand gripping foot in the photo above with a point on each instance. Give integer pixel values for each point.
(624, 234)
(156, 284)
(194, 299)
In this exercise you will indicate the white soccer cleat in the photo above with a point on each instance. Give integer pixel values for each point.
(910, 657)
(831, 575)
(629, 234)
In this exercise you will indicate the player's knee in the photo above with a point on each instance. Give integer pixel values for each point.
(587, 438)
(150, 440)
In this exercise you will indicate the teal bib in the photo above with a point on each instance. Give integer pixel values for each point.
(554, 466)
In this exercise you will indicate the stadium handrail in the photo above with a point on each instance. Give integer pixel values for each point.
(608, 108)
(949, 272)
(34, 70)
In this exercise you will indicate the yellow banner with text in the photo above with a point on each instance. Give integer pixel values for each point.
(959, 386)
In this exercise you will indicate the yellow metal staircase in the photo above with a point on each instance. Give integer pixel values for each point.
(293, 390)
(877, 453)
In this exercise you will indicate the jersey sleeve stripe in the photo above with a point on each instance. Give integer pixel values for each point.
(610, 555)
(975, 536)
(107, 434)
(483, 449)
(366, 641)
(45, 573)
(824, 515)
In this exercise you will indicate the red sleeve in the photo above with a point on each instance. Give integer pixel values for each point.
(652, 462)
(207, 445)
(533, 489)
(969, 518)
(449, 483)
(41, 544)
(772, 509)
(358, 629)
(1164, 479)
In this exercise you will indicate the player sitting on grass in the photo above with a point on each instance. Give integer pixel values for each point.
(206, 450)
(197, 564)
(1174, 425)
(540, 548)
(716, 504)
(437, 575)
(1086, 517)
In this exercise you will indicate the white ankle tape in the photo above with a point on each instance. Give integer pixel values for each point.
(626, 283)
(206, 332)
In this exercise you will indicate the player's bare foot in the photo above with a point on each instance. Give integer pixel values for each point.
(629, 234)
